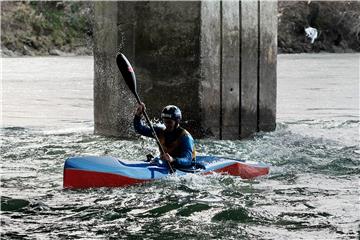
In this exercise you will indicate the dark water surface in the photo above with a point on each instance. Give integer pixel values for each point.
(311, 193)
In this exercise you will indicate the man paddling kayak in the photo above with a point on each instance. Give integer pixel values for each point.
(178, 143)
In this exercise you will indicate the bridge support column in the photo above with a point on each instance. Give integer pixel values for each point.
(215, 60)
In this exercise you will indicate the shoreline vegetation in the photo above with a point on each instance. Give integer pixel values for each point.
(64, 28)
(43, 28)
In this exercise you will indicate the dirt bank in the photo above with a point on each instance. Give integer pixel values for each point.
(65, 28)
(46, 28)
(338, 25)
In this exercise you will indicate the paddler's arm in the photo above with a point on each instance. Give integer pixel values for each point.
(187, 144)
(139, 126)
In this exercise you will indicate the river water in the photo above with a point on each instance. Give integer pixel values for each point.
(311, 193)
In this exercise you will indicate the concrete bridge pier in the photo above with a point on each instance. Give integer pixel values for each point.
(215, 60)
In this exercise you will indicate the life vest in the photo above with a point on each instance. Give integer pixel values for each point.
(173, 147)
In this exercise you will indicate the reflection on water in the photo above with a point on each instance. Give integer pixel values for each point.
(311, 193)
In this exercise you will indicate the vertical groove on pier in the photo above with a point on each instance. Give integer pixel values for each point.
(221, 70)
(258, 69)
(240, 67)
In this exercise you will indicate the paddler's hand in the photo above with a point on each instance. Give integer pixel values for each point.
(167, 157)
(140, 109)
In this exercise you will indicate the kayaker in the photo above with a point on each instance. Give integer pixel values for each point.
(178, 143)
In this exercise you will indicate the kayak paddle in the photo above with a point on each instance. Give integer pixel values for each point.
(129, 76)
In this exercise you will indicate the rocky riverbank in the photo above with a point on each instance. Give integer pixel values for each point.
(37, 28)
(337, 23)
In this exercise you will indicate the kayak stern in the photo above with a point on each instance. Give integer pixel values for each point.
(245, 171)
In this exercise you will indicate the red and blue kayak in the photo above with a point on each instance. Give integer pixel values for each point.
(95, 172)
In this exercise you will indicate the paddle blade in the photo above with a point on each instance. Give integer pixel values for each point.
(127, 72)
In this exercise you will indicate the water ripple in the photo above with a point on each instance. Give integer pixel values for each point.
(307, 178)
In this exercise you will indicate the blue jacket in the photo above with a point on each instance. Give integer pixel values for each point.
(179, 143)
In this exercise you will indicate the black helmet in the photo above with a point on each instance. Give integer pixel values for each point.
(171, 112)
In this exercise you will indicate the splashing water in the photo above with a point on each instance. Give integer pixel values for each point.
(311, 193)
